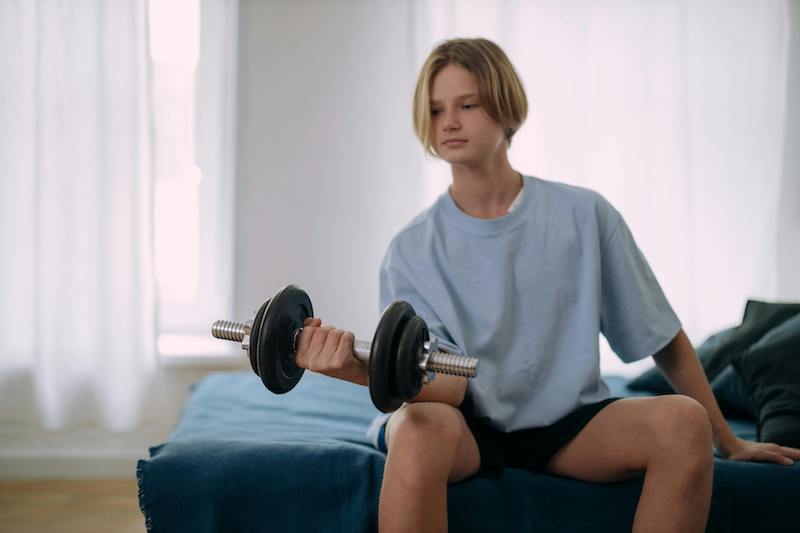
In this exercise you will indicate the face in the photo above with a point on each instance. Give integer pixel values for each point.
(461, 131)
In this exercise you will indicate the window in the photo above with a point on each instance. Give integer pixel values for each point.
(193, 54)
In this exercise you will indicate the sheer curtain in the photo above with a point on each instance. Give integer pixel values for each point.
(77, 300)
(678, 113)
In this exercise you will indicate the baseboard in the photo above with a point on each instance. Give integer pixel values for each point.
(29, 453)
(73, 467)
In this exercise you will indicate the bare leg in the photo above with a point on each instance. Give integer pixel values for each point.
(429, 446)
(669, 438)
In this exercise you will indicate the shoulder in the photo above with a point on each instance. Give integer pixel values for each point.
(565, 192)
(411, 237)
(577, 201)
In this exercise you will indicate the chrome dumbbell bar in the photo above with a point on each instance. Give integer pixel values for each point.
(433, 360)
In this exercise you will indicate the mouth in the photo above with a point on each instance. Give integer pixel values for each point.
(455, 142)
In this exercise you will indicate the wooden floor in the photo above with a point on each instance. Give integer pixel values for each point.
(85, 506)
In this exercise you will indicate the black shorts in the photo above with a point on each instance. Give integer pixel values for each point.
(530, 449)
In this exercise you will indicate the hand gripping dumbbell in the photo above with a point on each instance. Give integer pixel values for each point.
(400, 359)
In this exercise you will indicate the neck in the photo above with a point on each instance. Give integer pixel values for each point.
(485, 191)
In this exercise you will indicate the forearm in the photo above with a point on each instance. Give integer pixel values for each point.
(681, 367)
(445, 389)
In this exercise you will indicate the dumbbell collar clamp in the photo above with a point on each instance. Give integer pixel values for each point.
(248, 327)
(431, 346)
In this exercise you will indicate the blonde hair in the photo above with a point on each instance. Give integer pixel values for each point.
(501, 92)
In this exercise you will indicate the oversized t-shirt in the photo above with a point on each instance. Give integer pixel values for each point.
(528, 294)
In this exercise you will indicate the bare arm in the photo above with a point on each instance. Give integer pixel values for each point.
(680, 365)
(443, 389)
(329, 351)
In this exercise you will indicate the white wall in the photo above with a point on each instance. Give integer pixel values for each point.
(787, 242)
(327, 160)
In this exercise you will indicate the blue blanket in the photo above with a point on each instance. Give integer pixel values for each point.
(243, 459)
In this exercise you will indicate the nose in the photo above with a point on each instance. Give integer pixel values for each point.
(450, 120)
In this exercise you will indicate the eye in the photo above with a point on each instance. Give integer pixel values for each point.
(434, 112)
(469, 106)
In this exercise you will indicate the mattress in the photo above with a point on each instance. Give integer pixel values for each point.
(243, 459)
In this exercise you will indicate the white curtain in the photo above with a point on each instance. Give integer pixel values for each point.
(77, 302)
(678, 112)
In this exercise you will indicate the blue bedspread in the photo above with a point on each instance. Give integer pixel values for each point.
(243, 459)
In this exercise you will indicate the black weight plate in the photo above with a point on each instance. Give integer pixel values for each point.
(383, 356)
(254, 329)
(285, 314)
(408, 376)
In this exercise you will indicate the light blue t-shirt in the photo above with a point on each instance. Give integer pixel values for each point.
(529, 294)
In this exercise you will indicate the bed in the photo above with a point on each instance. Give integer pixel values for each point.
(243, 459)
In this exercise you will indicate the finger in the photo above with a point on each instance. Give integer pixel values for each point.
(303, 341)
(306, 336)
(328, 355)
(348, 340)
(344, 350)
(772, 457)
(785, 451)
(790, 452)
(311, 321)
(314, 348)
(318, 339)
(331, 343)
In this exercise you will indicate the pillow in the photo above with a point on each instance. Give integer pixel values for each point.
(716, 352)
(770, 370)
(732, 396)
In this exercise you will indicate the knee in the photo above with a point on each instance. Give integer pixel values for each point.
(682, 429)
(424, 439)
(426, 424)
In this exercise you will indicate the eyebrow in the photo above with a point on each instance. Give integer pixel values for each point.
(462, 97)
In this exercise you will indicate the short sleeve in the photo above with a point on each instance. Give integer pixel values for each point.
(636, 318)
(394, 285)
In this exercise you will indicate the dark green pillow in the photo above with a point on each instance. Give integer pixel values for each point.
(770, 370)
(732, 396)
(716, 352)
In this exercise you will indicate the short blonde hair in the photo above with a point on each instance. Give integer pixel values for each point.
(501, 92)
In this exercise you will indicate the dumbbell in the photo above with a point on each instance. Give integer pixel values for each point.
(400, 359)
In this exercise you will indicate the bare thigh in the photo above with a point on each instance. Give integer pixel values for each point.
(435, 430)
(619, 442)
